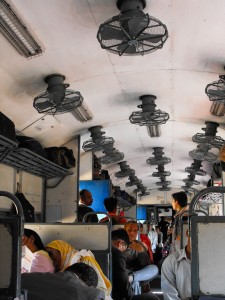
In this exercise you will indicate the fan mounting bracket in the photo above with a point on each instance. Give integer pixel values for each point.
(119, 4)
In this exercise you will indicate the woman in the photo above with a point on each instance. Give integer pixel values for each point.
(35, 258)
(64, 255)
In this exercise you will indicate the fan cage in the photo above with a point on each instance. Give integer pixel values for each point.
(216, 90)
(215, 141)
(52, 103)
(160, 174)
(158, 160)
(148, 119)
(99, 145)
(202, 156)
(124, 173)
(132, 32)
(112, 158)
(199, 172)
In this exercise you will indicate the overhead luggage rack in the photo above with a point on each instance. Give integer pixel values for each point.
(6, 145)
(26, 160)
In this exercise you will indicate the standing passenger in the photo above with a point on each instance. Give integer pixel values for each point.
(111, 207)
(86, 200)
(179, 204)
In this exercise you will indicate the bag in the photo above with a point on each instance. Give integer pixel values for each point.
(28, 209)
(7, 127)
(61, 156)
(31, 144)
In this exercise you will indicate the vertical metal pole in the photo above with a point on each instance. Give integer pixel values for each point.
(165, 197)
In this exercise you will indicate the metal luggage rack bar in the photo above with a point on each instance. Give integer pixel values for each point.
(26, 160)
(6, 145)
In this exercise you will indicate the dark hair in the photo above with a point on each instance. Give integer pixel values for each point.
(110, 204)
(82, 193)
(141, 225)
(85, 273)
(37, 239)
(181, 198)
(131, 222)
(120, 234)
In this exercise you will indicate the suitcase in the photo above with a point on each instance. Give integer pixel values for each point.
(31, 144)
(61, 156)
(7, 127)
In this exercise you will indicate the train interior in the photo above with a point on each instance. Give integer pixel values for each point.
(125, 98)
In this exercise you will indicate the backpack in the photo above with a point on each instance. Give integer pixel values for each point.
(28, 209)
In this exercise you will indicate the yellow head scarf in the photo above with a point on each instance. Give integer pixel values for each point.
(66, 250)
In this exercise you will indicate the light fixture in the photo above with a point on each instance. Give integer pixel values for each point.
(82, 113)
(16, 32)
(154, 130)
(217, 109)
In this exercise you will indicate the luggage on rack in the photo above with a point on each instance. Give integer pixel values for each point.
(61, 156)
(31, 144)
(7, 127)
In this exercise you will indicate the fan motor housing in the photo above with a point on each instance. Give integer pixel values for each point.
(124, 5)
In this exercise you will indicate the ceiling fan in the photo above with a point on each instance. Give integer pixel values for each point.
(57, 99)
(132, 31)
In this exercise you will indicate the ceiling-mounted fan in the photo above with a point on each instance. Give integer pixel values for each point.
(125, 170)
(98, 142)
(196, 168)
(202, 153)
(132, 31)
(133, 181)
(209, 137)
(111, 156)
(57, 99)
(149, 116)
(216, 90)
(159, 159)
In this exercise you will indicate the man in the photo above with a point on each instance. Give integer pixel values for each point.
(111, 207)
(163, 226)
(83, 208)
(138, 260)
(176, 275)
(179, 204)
(121, 276)
(78, 282)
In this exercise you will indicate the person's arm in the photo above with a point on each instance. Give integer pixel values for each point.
(168, 280)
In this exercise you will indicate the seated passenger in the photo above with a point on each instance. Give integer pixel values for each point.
(34, 258)
(137, 258)
(78, 281)
(122, 277)
(176, 274)
(64, 255)
(111, 208)
(146, 242)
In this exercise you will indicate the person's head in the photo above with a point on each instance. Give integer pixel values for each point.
(141, 227)
(131, 228)
(86, 197)
(32, 240)
(120, 239)
(110, 204)
(85, 273)
(157, 229)
(179, 200)
(60, 253)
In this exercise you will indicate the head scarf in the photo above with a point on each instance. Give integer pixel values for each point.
(66, 250)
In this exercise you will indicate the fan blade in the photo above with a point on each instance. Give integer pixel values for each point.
(152, 38)
(136, 26)
(217, 93)
(108, 32)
